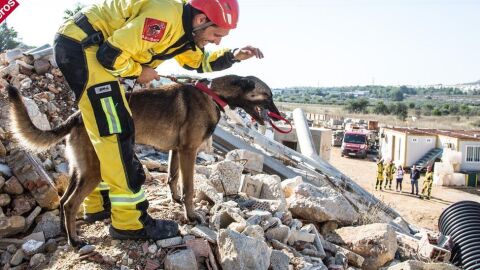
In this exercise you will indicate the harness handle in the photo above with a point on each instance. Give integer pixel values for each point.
(273, 115)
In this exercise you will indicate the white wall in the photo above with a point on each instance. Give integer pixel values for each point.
(443, 140)
(468, 166)
(386, 146)
(418, 146)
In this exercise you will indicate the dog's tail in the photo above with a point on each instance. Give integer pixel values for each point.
(27, 134)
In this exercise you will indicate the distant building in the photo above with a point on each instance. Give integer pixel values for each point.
(408, 146)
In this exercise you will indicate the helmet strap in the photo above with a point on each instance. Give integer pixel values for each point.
(202, 26)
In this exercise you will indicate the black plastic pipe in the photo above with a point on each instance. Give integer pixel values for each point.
(461, 221)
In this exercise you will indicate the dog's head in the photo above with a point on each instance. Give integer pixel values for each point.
(249, 93)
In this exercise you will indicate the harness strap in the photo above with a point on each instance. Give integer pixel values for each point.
(93, 37)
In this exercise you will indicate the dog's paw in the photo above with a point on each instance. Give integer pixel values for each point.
(196, 218)
(176, 198)
(78, 242)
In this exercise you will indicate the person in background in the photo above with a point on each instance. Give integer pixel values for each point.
(414, 176)
(399, 178)
(427, 184)
(380, 169)
(389, 171)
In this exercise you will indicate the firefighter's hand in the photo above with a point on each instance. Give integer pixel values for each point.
(148, 74)
(247, 52)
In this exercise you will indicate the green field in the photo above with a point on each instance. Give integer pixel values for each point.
(444, 122)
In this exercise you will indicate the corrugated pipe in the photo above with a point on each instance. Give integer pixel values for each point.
(461, 221)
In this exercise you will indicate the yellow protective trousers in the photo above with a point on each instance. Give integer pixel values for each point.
(109, 124)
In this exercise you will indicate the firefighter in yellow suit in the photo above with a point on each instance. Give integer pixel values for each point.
(380, 169)
(129, 39)
(427, 184)
(389, 172)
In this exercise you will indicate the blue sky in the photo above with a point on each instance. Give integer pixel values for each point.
(328, 42)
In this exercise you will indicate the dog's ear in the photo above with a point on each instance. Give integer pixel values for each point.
(244, 83)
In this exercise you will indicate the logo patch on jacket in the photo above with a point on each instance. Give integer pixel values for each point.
(153, 30)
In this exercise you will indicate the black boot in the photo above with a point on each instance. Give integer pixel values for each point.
(102, 215)
(155, 229)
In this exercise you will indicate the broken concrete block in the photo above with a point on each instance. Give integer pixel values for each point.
(5, 258)
(418, 265)
(407, 246)
(341, 259)
(432, 252)
(86, 249)
(204, 191)
(200, 247)
(399, 224)
(174, 241)
(225, 217)
(181, 260)
(13, 186)
(50, 225)
(32, 247)
(300, 236)
(11, 225)
(238, 227)
(321, 204)
(23, 203)
(328, 227)
(270, 223)
(5, 200)
(5, 171)
(280, 233)
(41, 66)
(272, 189)
(254, 231)
(17, 258)
(377, 242)
(226, 176)
(152, 264)
(240, 252)
(39, 119)
(289, 185)
(279, 260)
(268, 205)
(12, 55)
(205, 232)
(251, 161)
(33, 177)
(37, 236)
(204, 170)
(37, 260)
(250, 187)
(318, 239)
(353, 258)
(3, 150)
(31, 217)
(265, 215)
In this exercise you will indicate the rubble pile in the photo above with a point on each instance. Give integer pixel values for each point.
(252, 220)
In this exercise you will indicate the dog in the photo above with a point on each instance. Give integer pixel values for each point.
(177, 118)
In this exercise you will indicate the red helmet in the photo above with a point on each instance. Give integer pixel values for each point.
(223, 13)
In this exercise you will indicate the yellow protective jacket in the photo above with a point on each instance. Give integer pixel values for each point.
(380, 169)
(390, 170)
(148, 32)
(429, 177)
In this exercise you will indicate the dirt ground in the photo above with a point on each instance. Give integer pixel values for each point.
(424, 213)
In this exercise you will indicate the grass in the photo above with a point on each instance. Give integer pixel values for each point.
(434, 122)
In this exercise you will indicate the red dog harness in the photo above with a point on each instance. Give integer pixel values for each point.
(202, 87)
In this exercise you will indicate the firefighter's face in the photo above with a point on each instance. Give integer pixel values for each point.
(211, 34)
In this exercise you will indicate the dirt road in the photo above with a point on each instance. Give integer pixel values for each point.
(423, 213)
